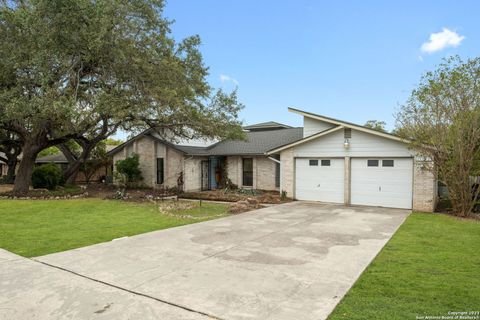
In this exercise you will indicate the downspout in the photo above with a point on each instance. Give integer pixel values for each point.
(275, 160)
(280, 163)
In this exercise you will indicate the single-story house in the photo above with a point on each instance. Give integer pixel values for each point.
(326, 160)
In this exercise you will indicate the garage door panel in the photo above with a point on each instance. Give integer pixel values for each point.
(319, 183)
(382, 186)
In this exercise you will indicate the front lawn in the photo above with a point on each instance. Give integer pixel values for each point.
(37, 227)
(431, 266)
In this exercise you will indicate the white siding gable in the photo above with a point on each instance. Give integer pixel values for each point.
(361, 145)
(312, 126)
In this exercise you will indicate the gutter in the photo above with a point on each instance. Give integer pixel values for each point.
(275, 160)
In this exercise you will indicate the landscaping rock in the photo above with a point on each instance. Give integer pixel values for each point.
(243, 206)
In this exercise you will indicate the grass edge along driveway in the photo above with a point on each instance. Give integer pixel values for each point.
(37, 227)
(428, 268)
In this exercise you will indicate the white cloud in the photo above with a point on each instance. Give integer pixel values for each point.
(441, 40)
(224, 78)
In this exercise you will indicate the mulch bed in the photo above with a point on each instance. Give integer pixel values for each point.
(262, 196)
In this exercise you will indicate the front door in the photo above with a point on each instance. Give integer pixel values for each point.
(205, 173)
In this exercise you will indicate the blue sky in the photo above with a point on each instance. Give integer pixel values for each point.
(352, 60)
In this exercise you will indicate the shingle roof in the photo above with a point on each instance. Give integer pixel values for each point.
(270, 125)
(256, 143)
(55, 158)
(192, 150)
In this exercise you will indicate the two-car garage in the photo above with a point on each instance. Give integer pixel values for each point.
(341, 162)
(385, 182)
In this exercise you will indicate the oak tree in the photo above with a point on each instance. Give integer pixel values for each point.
(69, 67)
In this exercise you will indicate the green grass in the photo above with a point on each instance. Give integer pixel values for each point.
(38, 227)
(429, 267)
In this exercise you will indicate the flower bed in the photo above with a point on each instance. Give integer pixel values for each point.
(73, 192)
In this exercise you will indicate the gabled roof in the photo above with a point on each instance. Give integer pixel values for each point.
(256, 142)
(270, 125)
(338, 125)
(148, 133)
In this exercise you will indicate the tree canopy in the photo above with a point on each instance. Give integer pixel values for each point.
(81, 69)
(376, 125)
(442, 120)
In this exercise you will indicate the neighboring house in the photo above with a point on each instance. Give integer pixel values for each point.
(3, 166)
(327, 160)
(100, 175)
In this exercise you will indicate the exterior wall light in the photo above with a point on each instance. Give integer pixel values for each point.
(346, 143)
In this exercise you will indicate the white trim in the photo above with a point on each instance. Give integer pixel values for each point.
(348, 125)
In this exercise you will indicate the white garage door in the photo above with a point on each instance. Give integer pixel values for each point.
(319, 180)
(382, 182)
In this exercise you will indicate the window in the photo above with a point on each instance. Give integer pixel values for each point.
(347, 133)
(248, 172)
(313, 162)
(372, 163)
(387, 163)
(325, 163)
(160, 174)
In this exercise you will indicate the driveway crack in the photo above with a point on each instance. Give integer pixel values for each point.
(132, 291)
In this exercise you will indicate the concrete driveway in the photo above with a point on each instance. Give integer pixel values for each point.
(293, 261)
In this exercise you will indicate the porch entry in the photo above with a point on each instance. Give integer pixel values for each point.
(213, 173)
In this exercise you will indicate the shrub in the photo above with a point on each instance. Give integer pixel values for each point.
(129, 170)
(46, 176)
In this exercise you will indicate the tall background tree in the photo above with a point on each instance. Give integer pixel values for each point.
(442, 119)
(376, 125)
(68, 67)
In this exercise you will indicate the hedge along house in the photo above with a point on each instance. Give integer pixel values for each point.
(196, 165)
(340, 162)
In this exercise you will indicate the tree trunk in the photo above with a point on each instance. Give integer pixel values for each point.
(74, 165)
(24, 174)
(70, 175)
